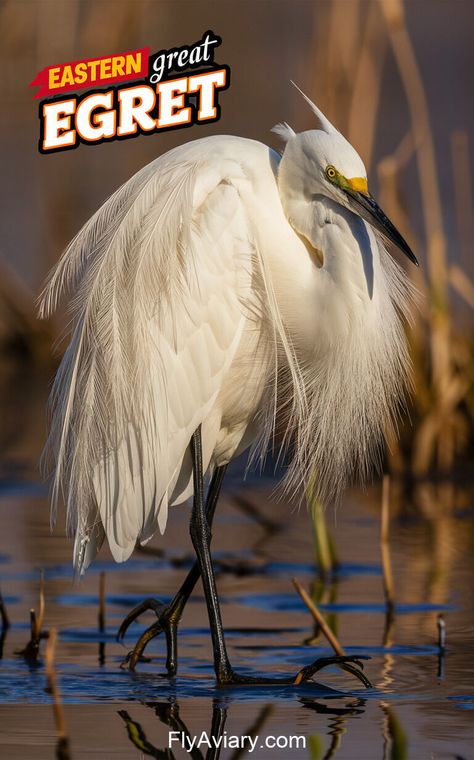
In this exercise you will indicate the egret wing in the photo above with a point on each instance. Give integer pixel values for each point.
(157, 277)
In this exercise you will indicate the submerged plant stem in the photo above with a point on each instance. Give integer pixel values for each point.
(330, 636)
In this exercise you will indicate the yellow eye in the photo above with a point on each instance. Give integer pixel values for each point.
(331, 172)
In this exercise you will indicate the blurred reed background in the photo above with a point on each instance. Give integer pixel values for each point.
(393, 76)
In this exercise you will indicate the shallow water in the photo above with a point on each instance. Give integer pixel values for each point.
(421, 704)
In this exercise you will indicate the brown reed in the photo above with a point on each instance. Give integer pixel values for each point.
(31, 651)
(62, 746)
(388, 586)
(319, 619)
(442, 354)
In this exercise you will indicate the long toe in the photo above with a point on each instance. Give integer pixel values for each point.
(125, 664)
(353, 665)
(237, 679)
(148, 604)
(137, 652)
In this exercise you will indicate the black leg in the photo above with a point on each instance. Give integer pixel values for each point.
(219, 717)
(201, 538)
(170, 614)
(178, 603)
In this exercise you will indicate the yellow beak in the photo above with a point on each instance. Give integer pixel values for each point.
(358, 184)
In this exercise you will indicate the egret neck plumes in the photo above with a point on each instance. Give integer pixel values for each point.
(355, 363)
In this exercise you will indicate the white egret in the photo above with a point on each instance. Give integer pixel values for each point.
(222, 289)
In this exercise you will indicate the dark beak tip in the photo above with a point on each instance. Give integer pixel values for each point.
(412, 257)
(374, 215)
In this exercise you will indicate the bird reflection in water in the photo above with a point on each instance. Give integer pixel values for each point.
(168, 713)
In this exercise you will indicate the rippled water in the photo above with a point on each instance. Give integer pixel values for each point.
(421, 704)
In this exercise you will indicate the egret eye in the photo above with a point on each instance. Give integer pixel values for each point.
(331, 172)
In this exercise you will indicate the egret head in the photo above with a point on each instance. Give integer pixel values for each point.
(323, 162)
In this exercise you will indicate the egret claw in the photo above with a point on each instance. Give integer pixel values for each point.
(135, 655)
(125, 664)
(231, 678)
(147, 604)
(346, 663)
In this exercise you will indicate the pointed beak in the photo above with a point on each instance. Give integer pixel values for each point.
(364, 205)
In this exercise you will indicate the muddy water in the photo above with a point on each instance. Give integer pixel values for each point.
(421, 705)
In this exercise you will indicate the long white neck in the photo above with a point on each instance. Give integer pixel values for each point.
(349, 287)
(348, 339)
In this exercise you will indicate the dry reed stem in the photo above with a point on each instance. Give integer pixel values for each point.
(440, 422)
(334, 49)
(345, 37)
(316, 73)
(366, 91)
(388, 171)
(330, 636)
(393, 11)
(340, 53)
(405, 150)
(31, 651)
(388, 585)
(62, 752)
(462, 284)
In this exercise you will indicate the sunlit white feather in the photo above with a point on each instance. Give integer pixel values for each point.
(197, 298)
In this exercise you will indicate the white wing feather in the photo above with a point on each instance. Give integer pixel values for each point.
(189, 274)
(157, 279)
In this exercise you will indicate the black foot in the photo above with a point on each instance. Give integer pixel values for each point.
(352, 665)
(166, 623)
(147, 604)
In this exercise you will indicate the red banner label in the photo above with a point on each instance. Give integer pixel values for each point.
(92, 72)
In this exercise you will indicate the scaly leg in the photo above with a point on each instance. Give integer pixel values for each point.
(169, 614)
(201, 538)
